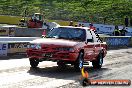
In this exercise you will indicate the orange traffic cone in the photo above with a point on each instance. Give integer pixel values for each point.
(84, 79)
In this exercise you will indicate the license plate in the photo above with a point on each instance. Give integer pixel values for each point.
(48, 55)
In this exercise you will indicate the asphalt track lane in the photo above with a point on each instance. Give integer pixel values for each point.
(16, 73)
(118, 65)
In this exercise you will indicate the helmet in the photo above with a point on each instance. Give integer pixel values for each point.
(71, 21)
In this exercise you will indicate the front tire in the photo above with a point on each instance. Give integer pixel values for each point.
(61, 64)
(97, 64)
(79, 62)
(33, 62)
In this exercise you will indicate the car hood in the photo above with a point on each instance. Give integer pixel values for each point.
(53, 41)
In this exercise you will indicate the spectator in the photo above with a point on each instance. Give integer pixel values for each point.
(76, 25)
(131, 21)
(83, 25)
(126, 21)
(45, 26)
(116, 31)
(92, 27)
(71, 23)
(79, 25)
(44, 34)
(123, 31)
(34, 18)
(104, 20)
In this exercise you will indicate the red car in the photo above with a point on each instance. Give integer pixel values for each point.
(68, 45)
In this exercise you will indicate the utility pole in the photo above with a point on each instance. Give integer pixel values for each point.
(62, 8)
(25, 11)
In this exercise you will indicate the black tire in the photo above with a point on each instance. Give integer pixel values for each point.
(85, 82)
(61, 64)
(79, 62)
(33, 62)
(97, 64)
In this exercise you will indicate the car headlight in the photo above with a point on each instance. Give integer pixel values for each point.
(34, 46)
(38, 46)
(31, 46)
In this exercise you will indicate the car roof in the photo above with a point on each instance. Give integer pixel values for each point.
(86, 28)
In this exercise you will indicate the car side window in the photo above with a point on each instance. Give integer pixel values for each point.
(95, 37)
(89, 35)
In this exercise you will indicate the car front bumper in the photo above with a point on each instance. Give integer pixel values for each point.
(52, 56)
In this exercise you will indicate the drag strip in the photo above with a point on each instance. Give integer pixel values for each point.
(16, 73)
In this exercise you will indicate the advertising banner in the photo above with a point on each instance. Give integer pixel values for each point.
(4, 31)
(107, 29)
(11, 31)
(118, 41)
(17, 47)
(3, 49)
(7, 31)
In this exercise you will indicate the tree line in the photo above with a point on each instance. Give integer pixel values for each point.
(108, 11)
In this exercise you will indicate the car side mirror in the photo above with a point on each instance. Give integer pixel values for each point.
(89, 40)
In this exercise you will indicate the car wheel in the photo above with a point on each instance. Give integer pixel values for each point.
(61, 64)
(98, 63)
(85, 82)
(33, 62)
(79, 62)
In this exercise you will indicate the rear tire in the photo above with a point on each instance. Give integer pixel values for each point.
(79, 62)
(33, 62)
(97, 64)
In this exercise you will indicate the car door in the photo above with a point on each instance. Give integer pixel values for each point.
(89, 48)
(97, 43)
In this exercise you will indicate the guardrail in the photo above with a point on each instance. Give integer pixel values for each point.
(13, 45)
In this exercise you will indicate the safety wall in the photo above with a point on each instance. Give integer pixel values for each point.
(14, 45)
(28, 32)
(7, 31)
(130, 42)
(3, 49)
(12, 31)
(17, 39)
(19, 45)
(107, 29)
(117, 41)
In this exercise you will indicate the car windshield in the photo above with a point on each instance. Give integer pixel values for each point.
(68, 33)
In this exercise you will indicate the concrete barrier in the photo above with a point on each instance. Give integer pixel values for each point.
(12, 31)
(14, 45)
(17, 39)
(130, 43)
(7, 31)
(107, 29)
(29, 32)
(17, 48)
(117, 41)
